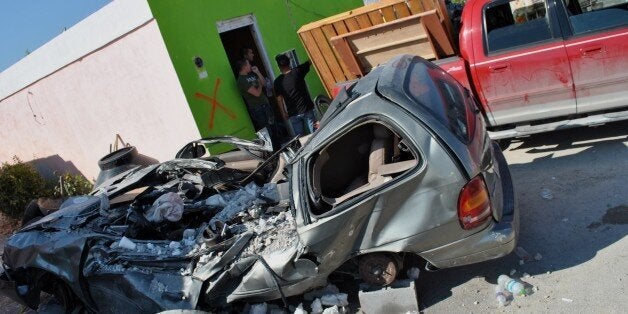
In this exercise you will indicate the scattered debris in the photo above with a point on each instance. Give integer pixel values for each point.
(525, 275)
(399, 297)
(168, 206)
(125, 243)
(513, 271)
(329, 289)
(523, 254)
(546, 194)
(567, 300)
(476, 302)
(502, 295)
(521, 262)
(514, 286)
(538, 256)
(331, 310)
(300, 310)
(339, 299)
(259, 308)
(317, 306)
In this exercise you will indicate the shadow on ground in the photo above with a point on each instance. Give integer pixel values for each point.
(573, 202)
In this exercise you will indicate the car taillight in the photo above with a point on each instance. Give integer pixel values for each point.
(474, 205)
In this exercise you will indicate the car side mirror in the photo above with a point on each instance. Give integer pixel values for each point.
(192, 150)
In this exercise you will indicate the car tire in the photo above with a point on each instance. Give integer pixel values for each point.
(117, 158)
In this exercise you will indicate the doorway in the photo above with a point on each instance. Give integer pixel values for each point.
(242, 32)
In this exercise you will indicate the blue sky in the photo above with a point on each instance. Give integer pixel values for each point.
(26, 25)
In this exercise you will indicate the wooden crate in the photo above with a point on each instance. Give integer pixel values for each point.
(316, 36)
(417, 34)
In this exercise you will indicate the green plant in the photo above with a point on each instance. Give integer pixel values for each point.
(71, 185)
(19, 183)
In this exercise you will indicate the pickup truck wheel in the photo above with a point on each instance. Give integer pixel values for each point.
(117, 158)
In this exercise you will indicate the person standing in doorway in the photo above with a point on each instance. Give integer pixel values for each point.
(247, 53)
(293, 96)
(250, 85)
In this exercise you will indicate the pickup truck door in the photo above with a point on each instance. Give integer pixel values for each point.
(520, 66)
(596, 39)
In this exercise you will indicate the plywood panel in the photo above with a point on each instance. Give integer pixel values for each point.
(318, 61)
(389, 14)
(340, 27)
(401, 10)
(370, 47)
(363, 21)
(428, 5)
(361, 10)
(376, 17)
(341, 45)
(336, 63)
(330, 32)
(415, 6)
(352, 24)
(442, 44)
(328, 54)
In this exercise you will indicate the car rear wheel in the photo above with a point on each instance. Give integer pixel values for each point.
(378, 268)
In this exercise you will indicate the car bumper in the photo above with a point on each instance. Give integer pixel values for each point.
(497, 239)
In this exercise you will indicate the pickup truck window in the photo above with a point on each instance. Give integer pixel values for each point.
(515, 23)
(587, 16)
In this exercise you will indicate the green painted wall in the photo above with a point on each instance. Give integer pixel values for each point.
(189, 30)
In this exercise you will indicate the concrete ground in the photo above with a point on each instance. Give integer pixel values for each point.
(572, 191)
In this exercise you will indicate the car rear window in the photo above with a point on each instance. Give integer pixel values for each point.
(435, 90)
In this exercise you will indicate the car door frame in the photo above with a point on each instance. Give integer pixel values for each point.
(527, 103)
(593, 55)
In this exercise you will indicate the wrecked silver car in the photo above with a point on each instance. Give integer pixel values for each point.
(401, 165)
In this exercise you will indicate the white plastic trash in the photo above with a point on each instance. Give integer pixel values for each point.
(169, 206)
(125, 243)
(317, 307)
(339, 299)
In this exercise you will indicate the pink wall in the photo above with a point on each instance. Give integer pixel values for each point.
(128, 87)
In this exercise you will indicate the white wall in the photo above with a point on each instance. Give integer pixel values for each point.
(126, 86)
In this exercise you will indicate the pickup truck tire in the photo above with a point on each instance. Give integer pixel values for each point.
(117, 158)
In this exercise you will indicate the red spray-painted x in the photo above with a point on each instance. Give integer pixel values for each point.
(215, 103)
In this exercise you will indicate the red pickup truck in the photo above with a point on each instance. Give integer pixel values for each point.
(542, 65)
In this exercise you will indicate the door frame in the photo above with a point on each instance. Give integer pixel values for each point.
(250, 21)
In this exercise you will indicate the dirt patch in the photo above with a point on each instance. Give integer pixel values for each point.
(7, 224)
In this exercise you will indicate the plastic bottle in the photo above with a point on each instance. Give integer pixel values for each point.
(511, 285)
(503, 297)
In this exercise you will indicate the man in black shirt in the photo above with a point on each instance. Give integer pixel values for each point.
(292, 92)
